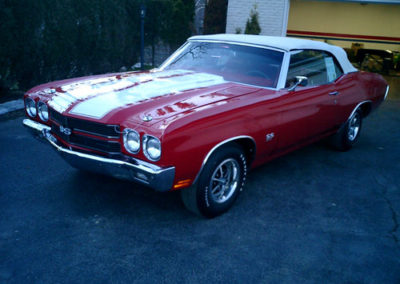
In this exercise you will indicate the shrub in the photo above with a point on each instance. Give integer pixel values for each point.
(252, 25)
(215, 16)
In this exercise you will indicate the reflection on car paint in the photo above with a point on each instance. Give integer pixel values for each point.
(99, 106)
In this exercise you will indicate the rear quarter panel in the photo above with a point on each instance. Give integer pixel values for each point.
(356, 88)
(378, 87)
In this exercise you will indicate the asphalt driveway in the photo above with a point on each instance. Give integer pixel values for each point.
(315, 215)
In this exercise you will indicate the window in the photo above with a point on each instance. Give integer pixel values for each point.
(236, 63)
(318, 66)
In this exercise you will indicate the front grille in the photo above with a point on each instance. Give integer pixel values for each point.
(100, 134)
(98, 129)
(56, 130)
(57, 117)
(96, 144)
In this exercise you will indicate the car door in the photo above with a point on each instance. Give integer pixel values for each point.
(307, 112)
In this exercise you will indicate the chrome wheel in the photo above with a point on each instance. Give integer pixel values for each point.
(219, 184)
(224, 180)
(354, 127)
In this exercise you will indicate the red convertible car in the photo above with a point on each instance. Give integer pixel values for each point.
(220, 105)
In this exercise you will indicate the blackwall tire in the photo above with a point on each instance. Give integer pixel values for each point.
(222, 179)
(349, 133)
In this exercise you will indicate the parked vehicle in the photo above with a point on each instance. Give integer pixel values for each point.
(375, 60)
(396, 60)
(219, 106)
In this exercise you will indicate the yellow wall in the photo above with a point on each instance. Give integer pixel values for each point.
(346, 18)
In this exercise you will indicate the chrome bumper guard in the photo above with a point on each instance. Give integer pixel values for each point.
(160, 179)
(386, 92)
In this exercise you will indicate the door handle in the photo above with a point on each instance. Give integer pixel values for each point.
(335, 93)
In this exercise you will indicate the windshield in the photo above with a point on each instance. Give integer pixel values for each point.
(236, 63)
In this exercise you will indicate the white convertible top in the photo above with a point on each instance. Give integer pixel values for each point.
(283, 43)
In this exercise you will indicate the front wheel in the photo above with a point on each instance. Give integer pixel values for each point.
(348, 134)
(219, 184)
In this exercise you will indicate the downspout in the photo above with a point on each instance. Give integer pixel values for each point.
(285, 17)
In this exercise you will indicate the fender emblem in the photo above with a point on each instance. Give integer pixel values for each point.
(65, 130)
(147, 118)
(270, 136)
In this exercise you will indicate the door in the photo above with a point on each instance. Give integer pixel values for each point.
(308, 112)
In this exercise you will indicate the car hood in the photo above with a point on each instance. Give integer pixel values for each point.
(137, 97)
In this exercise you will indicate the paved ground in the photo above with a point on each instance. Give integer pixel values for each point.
(314, 216)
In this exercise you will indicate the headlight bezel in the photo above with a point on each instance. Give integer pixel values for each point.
(145, 141)
(41, 104)
(126, 134)
(28, 107)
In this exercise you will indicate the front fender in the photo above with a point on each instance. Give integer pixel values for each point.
(189, 147)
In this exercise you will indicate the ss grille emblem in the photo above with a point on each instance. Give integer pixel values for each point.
(65, 130)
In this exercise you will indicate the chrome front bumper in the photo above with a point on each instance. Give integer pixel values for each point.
(160, 179)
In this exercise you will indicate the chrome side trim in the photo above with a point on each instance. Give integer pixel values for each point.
(386, 93)
(357, 106)
(219, 145)
(254, 86)
(265, 46)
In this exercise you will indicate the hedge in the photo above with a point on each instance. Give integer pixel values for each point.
(46, 40)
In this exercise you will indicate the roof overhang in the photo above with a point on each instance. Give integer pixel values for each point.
(395, 2)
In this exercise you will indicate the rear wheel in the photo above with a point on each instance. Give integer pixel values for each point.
(348, 134)
(219, 184)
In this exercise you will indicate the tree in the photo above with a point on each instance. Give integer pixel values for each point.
(155, 22)
(179, 23)
(48, 40)
(252, 25)
(215, 16)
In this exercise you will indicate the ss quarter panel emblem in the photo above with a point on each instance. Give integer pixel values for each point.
(65, 130)
(269, 136)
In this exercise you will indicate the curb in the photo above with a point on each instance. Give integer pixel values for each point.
(11, 106)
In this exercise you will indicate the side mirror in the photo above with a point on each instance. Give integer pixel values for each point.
(300, 81)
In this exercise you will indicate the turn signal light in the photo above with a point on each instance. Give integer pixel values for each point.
(182, 183)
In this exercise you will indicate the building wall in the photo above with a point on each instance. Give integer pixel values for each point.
(272, 15)
(374, 25)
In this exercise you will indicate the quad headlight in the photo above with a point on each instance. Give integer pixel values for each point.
(151, 147)
(43, 111)
(131, 141)
(30, 107)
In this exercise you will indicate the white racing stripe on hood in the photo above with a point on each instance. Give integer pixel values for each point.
(99, 106)
(85, 89)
